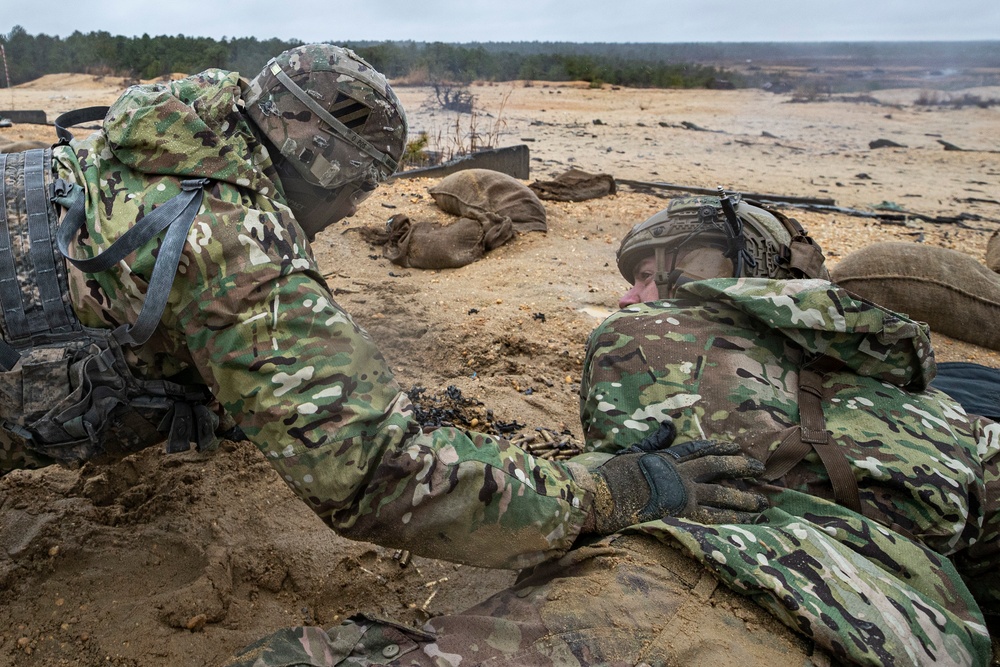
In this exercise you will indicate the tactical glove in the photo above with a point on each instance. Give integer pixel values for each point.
(680, 481)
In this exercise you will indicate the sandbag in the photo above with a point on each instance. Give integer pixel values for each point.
(993, 253)
(431, 245)
(575, 185)
(953, 293)
(472, 191)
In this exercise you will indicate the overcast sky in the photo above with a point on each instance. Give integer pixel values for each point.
(520, 20)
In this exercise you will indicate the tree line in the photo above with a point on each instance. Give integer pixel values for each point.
(101, 53)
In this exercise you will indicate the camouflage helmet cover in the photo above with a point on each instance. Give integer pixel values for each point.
(777, 246)
(331, 115)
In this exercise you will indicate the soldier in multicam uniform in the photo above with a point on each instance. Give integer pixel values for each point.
(179, 290)
(880, 545)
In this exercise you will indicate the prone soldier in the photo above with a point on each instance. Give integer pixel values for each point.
(880, 543)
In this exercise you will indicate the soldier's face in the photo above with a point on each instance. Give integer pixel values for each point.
(644, 289)
(696, 264)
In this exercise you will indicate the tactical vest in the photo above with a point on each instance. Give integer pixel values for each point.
(66, 392)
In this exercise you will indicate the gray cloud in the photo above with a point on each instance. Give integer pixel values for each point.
(515, 20)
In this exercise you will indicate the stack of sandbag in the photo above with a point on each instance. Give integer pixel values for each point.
(431, 245)
(491, 206)
(950, 291)
(466, 193)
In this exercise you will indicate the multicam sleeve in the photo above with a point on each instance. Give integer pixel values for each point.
(249, 309)
(309, 387)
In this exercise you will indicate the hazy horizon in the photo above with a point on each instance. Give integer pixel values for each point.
(582, 21)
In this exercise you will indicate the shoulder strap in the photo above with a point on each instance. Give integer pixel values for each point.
(10, 293)
(75, 117)
(811, 434)
(32, 276)
(41, 223)
(176, 216)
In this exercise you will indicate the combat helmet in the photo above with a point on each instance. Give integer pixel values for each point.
(333, 120)
(758, 242)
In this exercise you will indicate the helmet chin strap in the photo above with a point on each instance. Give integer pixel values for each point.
(737, 251)
(666, 279)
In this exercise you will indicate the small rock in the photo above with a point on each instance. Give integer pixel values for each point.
(98, 489)
(884, 143)
(197, 623)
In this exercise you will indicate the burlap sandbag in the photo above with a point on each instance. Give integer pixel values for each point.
(953, 293)
(431, 245)
(575, 185)
(467, 192)
(993, 253)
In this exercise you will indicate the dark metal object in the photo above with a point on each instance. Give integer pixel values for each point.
(30, 116)
(771, 198)
(510, 160)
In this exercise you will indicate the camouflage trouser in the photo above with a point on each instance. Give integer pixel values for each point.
(630, 600)
(13, 455)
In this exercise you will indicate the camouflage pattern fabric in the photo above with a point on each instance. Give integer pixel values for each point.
(722, 361)
(13, 455)
(250, 315)
(325, 157)
(626, 600)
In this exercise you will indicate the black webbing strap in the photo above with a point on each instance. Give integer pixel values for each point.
(176, 216)
(38, 163)
(71, 118)
(10, 293)
(8, 356)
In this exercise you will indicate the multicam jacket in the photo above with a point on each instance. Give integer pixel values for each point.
(725, 359)
(250, 316)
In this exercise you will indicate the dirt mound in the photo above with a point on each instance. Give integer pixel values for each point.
(75, 82)
(181, 559)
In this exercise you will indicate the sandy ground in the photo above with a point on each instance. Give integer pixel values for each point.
(181, 560)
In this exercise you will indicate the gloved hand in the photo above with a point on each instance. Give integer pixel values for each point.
(681, 481)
